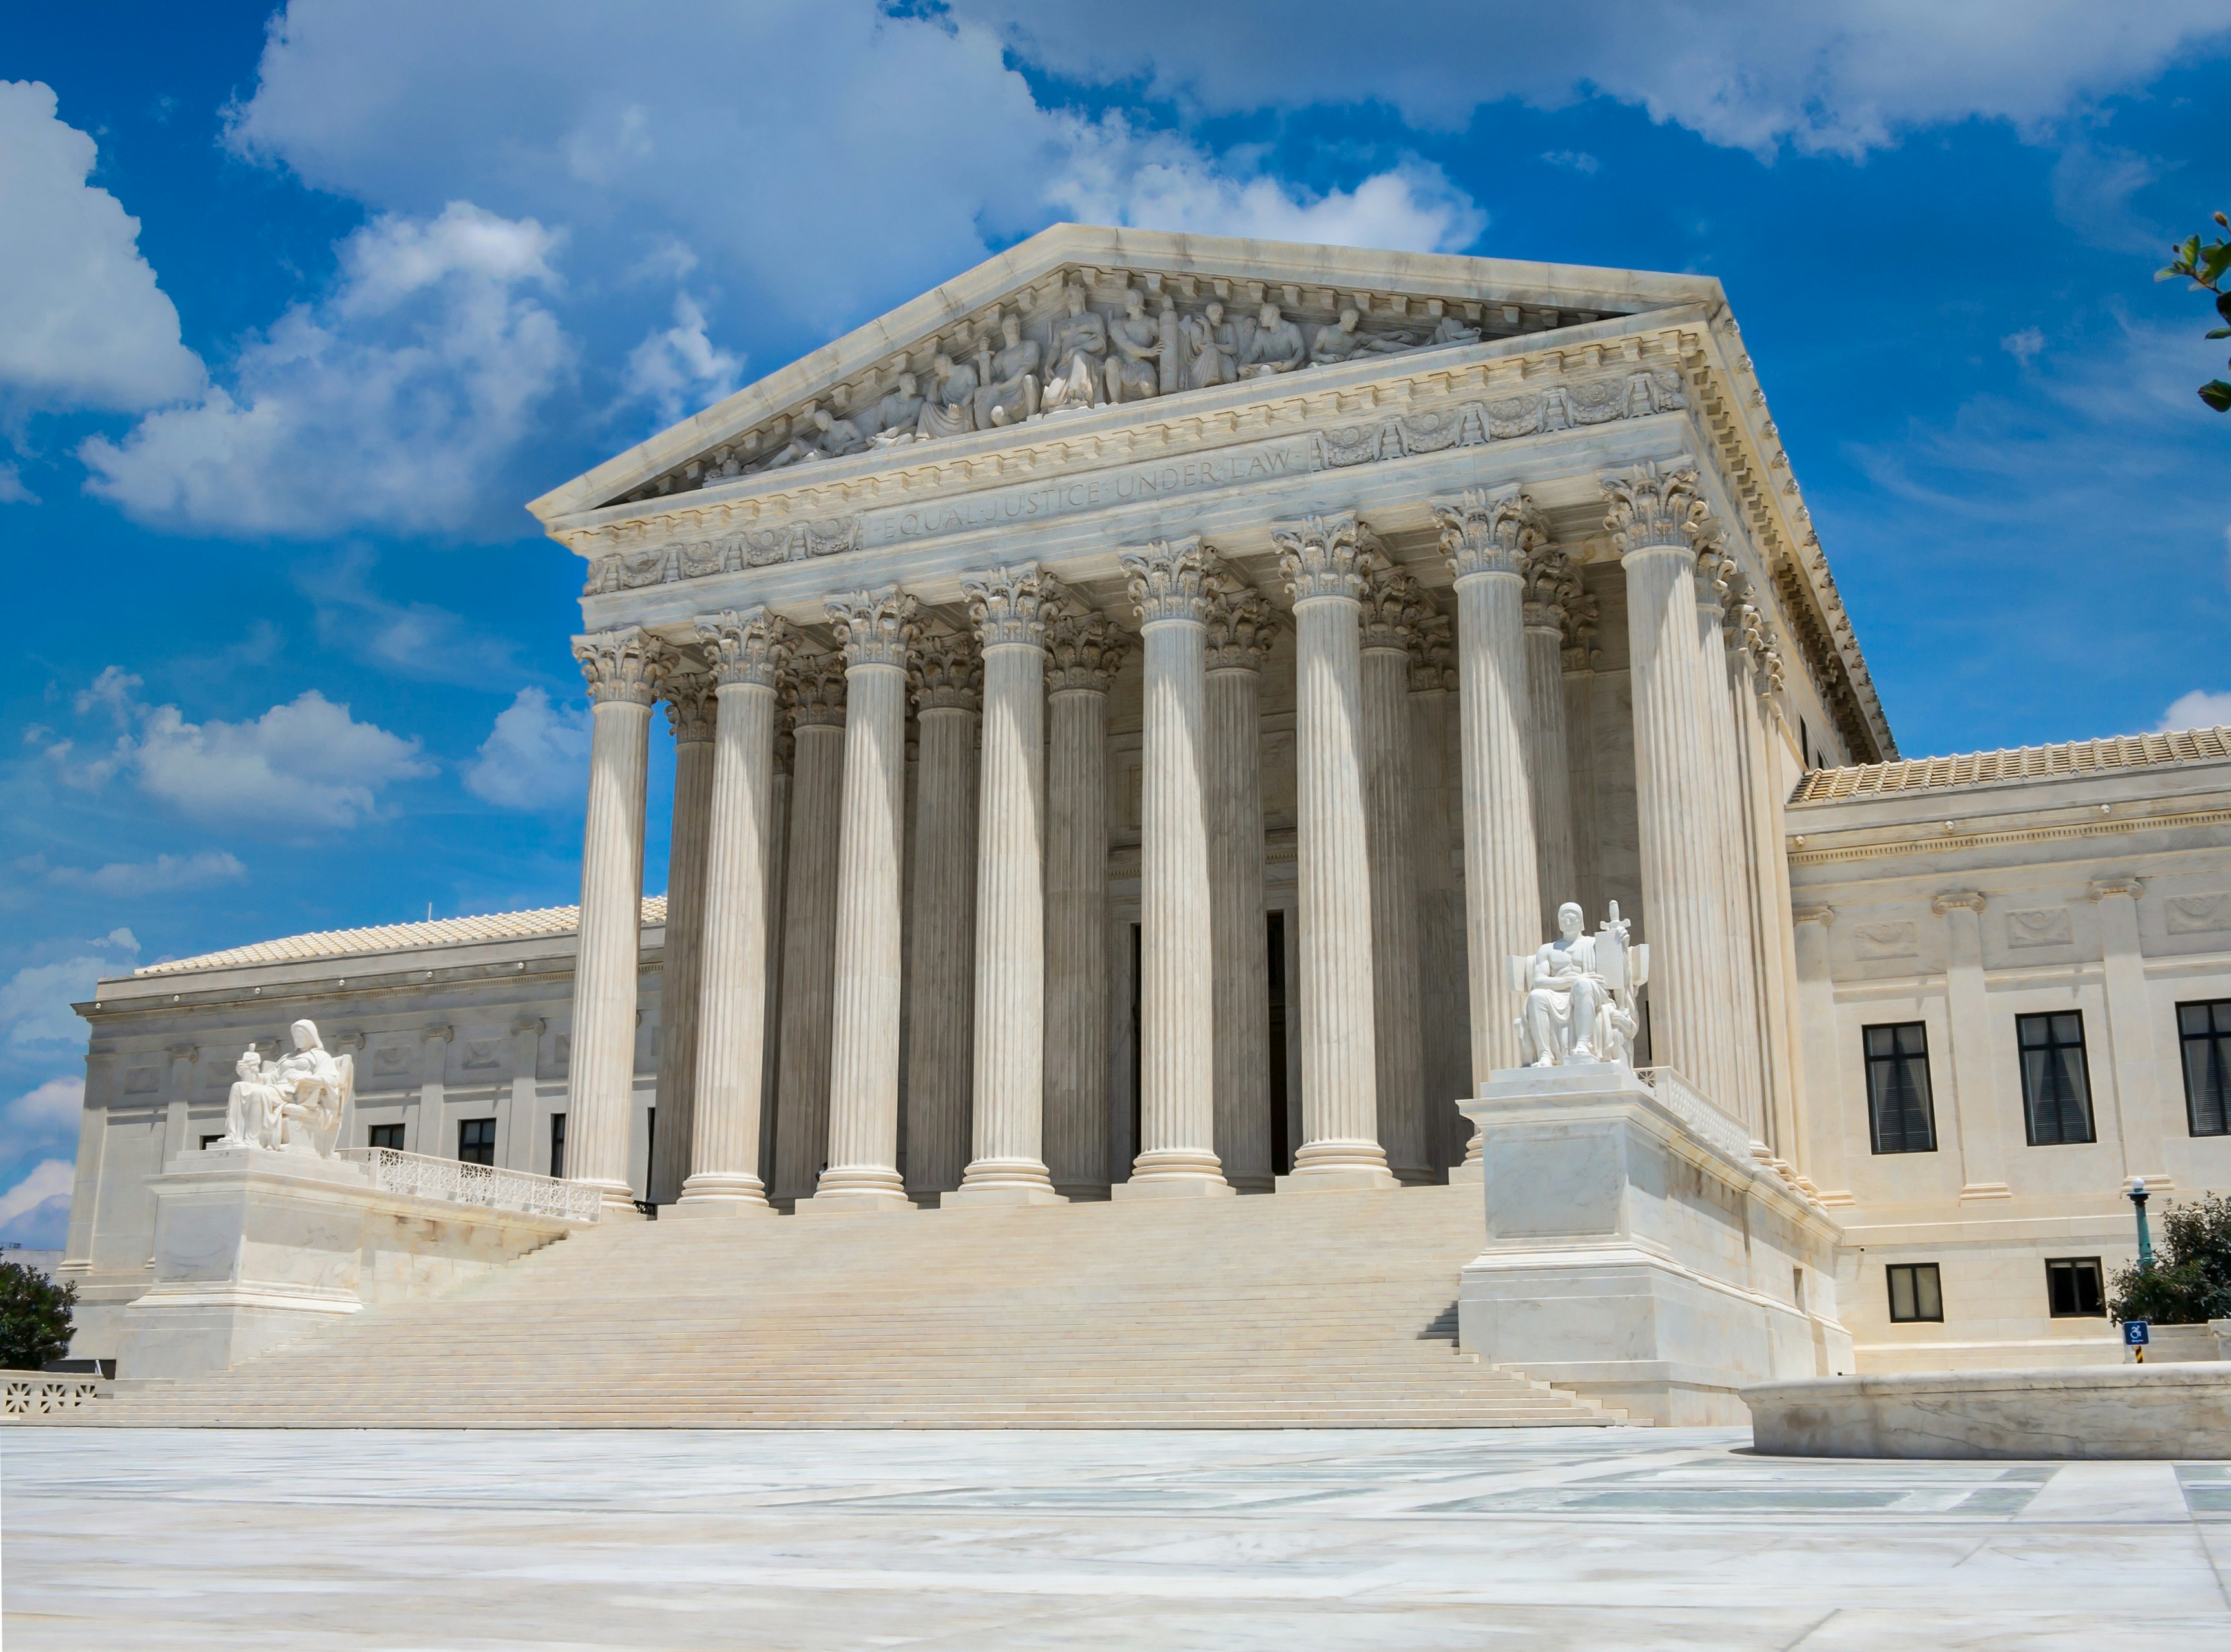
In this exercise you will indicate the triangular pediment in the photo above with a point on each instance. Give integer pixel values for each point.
(1028, 337)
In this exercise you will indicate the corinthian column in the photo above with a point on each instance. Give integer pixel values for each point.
(747, 649)
(947, 674)
(1325, 560)
(1483, 536)
(1086, 651)
(1395, 608)
(1552, 589)
(1168, 581)
(877, 630)
(809, 907)
(625, 670)
(1240, 627)
(1741, 1059)
(689, 711)
(1010, 606)
(1650, 513)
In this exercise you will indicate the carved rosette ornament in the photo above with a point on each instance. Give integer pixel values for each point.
(813, 691)
(1169, 580)
(1242, 625)
(1327, 556)
(630, 665)
(1011, 606)
(946, 672)
(1084, 651)
(874, 627)
(1652, 508)
(751, 646)
(1488, 531)
(1395, 608)
(690, 705)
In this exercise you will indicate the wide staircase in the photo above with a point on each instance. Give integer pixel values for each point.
(1325, 1310)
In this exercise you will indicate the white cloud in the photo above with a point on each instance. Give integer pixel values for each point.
(2024, 346)
(416, 639)
(1578, 159)
(393, 404)
(48, 1112)
(162, 873)
(49, 1179)
(2092, 187)
(12, 491)
(35, 1002)
(536, 757)
(82, 323)
(304, 765)
(679, 369)
(2199, 709)
(1753, 74)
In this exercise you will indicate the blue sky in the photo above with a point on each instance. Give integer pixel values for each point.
(297, 306)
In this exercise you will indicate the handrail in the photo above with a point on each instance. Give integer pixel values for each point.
(487, 1185)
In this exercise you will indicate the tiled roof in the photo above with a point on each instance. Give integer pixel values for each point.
(2023, 763)
(388, 937)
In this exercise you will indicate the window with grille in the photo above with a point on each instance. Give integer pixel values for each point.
(386, 1136)
(2056, 1090)
(558, 1144)
(1898, 1110)
(1915, 1292)
(476, 1141)
(2203, 1033)
(2075, 1288)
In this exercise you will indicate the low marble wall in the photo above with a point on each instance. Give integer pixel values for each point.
(2180, 1411)
(1633, 1256)
(254, 1249)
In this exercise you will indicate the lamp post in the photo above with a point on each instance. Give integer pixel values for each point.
(2145, 1240)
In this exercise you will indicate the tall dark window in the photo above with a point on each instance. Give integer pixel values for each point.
(558, 1144)
(1282, 1151)
(1898, 1106)
(2074, 1289)
(1915, 1292)
(476, 1141)
(389, 1136)
(2204, 1030)
(2056, 1090)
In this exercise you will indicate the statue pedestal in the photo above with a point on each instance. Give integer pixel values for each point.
(255, 1247)
(1637, 1253)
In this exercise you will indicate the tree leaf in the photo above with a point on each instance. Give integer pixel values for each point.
(2217, 395)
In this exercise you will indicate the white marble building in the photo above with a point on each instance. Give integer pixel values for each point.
(1129, 703)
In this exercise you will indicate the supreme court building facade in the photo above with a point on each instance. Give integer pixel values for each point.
(1129, 703)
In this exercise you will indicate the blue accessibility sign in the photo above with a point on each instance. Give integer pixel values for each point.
(2137, 1333)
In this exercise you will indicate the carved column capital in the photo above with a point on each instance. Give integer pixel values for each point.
(1011, 606)
(1488, 530)
(1169, 580)
(946, 672)
(751, 645)
(2109, 888)
(1432, 658)
(689, 705)
(1957, 901)
(629, 665)
(1822, 915)
(1327, 556)
(1241, 627)
(874, 627)
(1652, 508)
(813, 691)
(1084, 651)
(1552, 588)
(1395, 609)
(1580, 653)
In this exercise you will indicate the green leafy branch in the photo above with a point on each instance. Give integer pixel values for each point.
(2205, 266)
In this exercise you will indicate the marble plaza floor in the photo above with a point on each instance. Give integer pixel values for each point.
(1392, 1541)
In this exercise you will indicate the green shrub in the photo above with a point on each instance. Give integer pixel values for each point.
(34, 1318)
(2190, 1280)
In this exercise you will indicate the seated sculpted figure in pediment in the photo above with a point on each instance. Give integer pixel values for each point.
(1010, 394)
(1277, 346)
(1080, 344)
(951, 408)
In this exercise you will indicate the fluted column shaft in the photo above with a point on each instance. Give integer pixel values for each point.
(1440, 907)
(877, 630)
(1086, 652)
(1757, 667)
(1390, 829)
(691, 710)
(1008, 1135)
(1240, 634)
(624, 670)
(1673, 775)
(941, 935)
(747, 649)
(817, 791)
(1549, 764)
(1177, 1032)
(1483, 536)
(1325, 560)
(1738, 1026)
